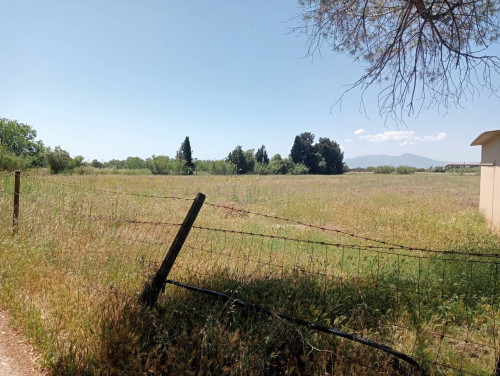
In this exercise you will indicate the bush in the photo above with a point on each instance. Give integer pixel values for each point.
(279, 166)
(262, 169)
(10, 162)
(216, 167)
(384, 170)
(299, 169)
(58, 160)
(405, 170)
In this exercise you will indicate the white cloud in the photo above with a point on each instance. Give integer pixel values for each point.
(359, 131)
(402, 137)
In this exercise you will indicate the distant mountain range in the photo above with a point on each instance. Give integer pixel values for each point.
(407, 159)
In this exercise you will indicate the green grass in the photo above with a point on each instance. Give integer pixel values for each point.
(72, 275)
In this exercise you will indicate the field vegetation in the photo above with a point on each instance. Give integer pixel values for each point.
(86, 245)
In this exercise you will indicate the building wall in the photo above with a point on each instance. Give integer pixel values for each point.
(489, 202)
(490, 152)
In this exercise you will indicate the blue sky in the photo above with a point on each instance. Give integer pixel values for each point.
(110, 79)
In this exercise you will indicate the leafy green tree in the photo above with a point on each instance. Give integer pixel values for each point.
(115, 163)
(298, 152)
(134, 163)
(17, 138)
(237, 158)
(324, 157)
(76, 162)
(261, 155)
(331, 155)
(58, 160)
(303, 152)
(20, 140)
(96, 164)
(185, 155)
(250, 160)
(160, 164)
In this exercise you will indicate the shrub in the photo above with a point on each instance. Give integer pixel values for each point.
(58, 160)
(384, 170)
(299, 169)
(405, 170)
(9, 161)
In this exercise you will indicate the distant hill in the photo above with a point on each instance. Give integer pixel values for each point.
(407, 159)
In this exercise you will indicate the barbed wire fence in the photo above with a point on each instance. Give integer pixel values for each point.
(436, 309)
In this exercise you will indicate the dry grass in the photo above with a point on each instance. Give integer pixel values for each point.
(72, 275)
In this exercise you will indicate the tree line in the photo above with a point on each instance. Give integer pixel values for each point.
(20, 149)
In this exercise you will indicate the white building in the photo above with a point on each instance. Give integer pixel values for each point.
(489, 202)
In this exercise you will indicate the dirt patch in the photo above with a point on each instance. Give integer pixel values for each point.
(17, 357)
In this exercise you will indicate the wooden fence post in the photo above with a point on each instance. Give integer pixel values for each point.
(17, 187)
(152, 289)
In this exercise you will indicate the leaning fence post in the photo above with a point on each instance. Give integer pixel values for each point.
(152, 289)
(17, 187)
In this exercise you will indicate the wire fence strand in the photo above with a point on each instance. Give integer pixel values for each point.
(438, 306)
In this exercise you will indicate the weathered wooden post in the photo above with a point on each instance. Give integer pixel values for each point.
(152, 289)
(17, 187)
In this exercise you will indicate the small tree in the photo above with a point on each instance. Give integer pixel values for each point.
(332, 156)
(134, 163)
(261, 155)
(185, 155)
(77, 162)
(160, 164)
(250, 160)
(96, 164)
(58, 160)
(325, 157)
(17, 138)
(237, 158)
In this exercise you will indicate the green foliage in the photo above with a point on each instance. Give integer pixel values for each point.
(115, 163)
(76, 162)
(9, 161)
(96, 164)
(159, 165)
(299, 169)
(19, 147)
(134, 163)
(325, 157)
(261, 155)
(250, 160)
(303, 151)
(18, 138)
(405, 170)
(58, 160)
(332, 156)
(244, 161)
(262, 169)
(216, 167)
(384, 169)
(280, 166)
(184, 155)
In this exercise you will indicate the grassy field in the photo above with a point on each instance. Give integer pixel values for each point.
(87, 244)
